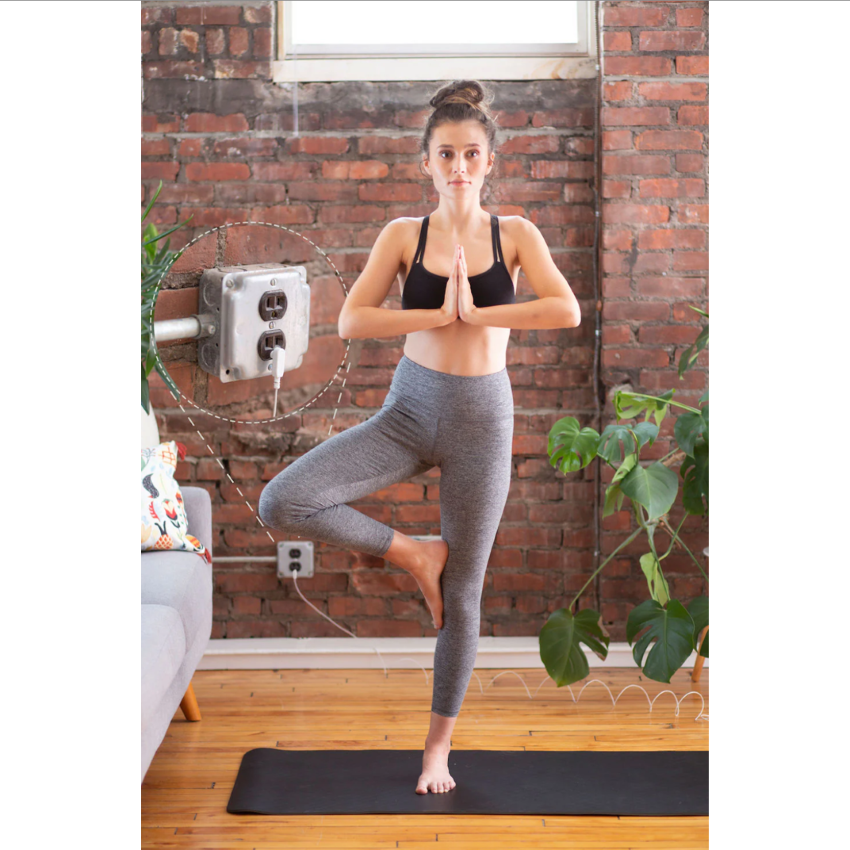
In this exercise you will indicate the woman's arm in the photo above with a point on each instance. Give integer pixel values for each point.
(362, 316)
(556, 305)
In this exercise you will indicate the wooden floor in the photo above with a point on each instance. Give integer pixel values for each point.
(185, 793)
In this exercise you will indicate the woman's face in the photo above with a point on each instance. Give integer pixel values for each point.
(458, 158)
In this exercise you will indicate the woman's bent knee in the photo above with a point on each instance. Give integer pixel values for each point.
(278, 508)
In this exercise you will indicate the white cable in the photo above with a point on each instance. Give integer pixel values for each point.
(548, 678)
(278, 368)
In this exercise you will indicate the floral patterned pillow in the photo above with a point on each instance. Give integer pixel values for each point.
(164, 522)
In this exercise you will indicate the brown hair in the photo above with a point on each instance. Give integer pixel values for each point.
(461, 100)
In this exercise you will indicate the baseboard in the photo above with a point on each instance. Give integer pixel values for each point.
(397, 653)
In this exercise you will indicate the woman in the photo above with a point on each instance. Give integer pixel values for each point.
(450, 402)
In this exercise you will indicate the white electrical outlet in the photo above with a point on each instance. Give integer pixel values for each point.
(295, 557)
(254, 308)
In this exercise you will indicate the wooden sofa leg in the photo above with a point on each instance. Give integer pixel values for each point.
(189, 705)
(700, 658)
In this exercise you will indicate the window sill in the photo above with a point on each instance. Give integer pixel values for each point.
(404, 68)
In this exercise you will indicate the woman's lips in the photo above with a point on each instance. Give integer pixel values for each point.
(459, 182)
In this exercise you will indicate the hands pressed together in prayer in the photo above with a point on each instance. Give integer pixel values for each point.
(458, 301)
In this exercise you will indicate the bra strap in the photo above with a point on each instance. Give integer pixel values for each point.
(497, 242)
(420, 247)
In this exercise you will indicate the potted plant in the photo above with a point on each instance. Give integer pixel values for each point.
(155, 263)
(675, 629)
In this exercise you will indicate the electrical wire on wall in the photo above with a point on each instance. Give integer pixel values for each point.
(598, 389)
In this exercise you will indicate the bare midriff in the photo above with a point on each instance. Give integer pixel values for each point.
(460, 348)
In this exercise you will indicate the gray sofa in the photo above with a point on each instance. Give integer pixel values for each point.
(176, 626)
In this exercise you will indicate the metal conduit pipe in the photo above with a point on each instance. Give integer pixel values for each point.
(192, 327)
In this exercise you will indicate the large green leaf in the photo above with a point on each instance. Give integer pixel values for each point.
(698, 609)
(694, 472)
(630, 405)
(654, 487)
(671, 628)
(619, 441)
(570, 447)
(689, 428)
(614, 495)
(689, 355)
(560, 640)
(658, 588)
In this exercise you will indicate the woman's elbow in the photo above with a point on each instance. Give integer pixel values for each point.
(343, 326)
(573, 318)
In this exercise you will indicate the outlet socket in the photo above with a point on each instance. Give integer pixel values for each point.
(295, 557)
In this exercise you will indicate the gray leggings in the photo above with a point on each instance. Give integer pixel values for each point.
(463, 424)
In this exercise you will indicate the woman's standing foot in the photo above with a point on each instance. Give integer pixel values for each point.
(435, 775)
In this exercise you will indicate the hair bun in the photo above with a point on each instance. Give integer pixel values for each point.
(460, 91)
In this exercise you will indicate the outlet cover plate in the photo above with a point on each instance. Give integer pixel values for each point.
(232, 294)
(290, 552)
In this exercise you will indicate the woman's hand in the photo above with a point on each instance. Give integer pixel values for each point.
(450, 308)
(465, 305)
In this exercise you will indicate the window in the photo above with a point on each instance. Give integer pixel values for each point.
(319, 40)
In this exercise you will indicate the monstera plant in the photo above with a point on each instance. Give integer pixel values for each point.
(154, 265)
(662, 625)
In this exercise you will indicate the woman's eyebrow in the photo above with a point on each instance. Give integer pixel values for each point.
(470, 145)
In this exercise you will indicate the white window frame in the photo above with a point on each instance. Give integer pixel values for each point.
(452, 62)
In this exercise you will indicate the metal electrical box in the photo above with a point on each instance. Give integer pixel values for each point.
(256, 308)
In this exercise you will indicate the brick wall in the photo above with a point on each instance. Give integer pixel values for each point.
(655, 250)
(220, 136)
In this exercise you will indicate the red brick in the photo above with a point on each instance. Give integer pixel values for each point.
(208, 15)
(634, 16)
(165, 68)
(317, 145)
(635, 115)
(389, 192)
(669, 140)
(235, 69)
(673, 91)
(571, 117)
(156, 14)
(674, 40)
(530, 145)
(686, 187)
(693, 115)
(245, 147)
(217, 171)
(207, 122)
(246, 605)
(262, 43)
(668, 334)
(258, 14)
(160, 170)
(693, 65)
(693, 213)
(156, 147)
(616, 41)
(238, 37)
(214, 41)
(165, 124)
(628, 358)
(637, 66)
(670, 287)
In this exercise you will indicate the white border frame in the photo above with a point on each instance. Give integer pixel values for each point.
(510, 63)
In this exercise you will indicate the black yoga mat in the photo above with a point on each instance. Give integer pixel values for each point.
(499, 782)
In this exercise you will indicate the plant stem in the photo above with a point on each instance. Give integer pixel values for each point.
(666, 401)
(675, 536)
(599, 568)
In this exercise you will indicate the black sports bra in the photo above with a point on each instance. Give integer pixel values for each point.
(426, 290)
